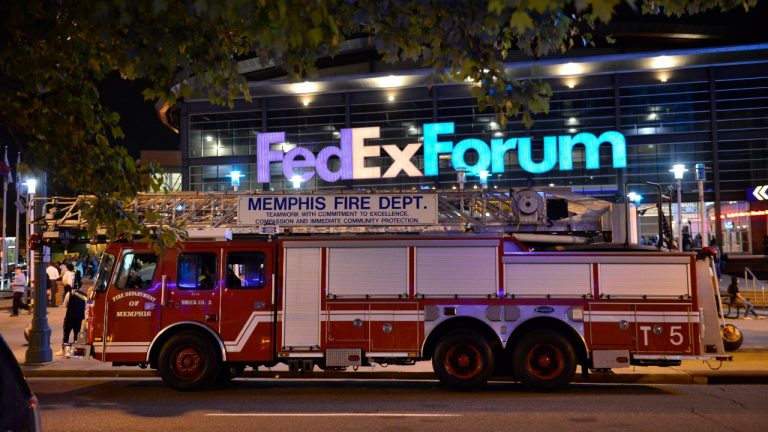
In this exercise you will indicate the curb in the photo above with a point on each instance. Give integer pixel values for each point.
(593, 378)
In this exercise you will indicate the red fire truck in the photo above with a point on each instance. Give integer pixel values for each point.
(475, 305)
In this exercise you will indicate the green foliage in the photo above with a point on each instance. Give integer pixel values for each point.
(54, 53)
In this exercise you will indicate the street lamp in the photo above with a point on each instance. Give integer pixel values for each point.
(39, 349)
(461, 178)
(31, 185)
(678, 170)
(701, 177)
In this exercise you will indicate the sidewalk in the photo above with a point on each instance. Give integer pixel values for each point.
(749, 365)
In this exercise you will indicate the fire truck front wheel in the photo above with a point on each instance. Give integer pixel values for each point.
(463, 360)
(188, 362)
(544, 360)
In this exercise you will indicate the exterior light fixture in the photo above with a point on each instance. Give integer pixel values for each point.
(31, 185)
(296, 180)
(390, 81)
(483, 176)
(662, 62)
(208, 138)
(305, 87)
(571, 69)
(678, 170)
(635, 197)
(234, 177)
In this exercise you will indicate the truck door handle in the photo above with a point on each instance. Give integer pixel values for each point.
(162, 292)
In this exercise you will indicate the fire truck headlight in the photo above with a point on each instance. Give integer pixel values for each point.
(576, 314)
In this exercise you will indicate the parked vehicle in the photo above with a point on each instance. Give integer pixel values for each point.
(19, 410)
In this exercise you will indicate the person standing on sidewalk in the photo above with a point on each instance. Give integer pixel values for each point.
(18, 285)
(53, 276)
(68, 278)
(74, 302)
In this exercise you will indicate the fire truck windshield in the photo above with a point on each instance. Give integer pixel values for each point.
(105, 269)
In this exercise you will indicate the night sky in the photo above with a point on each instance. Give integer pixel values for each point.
(143, 129)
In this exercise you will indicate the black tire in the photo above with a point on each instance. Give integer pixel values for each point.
(463, 360)
(188, 362)
(732, 337)
(544, 360)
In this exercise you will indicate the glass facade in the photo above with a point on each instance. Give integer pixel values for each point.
(712, 114)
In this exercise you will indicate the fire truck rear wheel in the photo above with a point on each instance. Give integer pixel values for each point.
(544, 360)
(188, 362)
(463, 360)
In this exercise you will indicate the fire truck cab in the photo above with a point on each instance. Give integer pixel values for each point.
(476, 306)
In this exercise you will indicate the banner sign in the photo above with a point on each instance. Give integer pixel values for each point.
(337, 210)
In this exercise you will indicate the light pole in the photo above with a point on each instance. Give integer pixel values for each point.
(678, 170)
(31, 185)
(461, 178)
(701, 177)
(483, 176)
(39, 349)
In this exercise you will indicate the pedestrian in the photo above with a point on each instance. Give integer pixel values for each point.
(53, 276)
(94, 265)
(68, 278)
(74, 302)
(686, 240)
(717, 255)
(18, 285)
(738, 300)
(79, 266)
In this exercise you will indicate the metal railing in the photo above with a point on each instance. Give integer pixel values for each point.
(756, 294)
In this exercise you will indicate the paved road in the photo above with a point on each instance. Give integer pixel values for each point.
(302, 406)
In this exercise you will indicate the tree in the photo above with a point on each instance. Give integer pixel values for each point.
(53, 53)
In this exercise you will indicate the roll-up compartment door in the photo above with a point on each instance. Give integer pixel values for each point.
(301, 307)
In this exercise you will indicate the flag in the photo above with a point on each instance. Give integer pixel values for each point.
(5, 169)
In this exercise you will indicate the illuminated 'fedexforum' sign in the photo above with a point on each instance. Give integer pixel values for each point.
(352, 153)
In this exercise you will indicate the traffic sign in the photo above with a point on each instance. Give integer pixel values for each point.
(760, 193)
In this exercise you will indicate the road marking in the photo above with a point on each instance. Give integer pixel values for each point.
(329, 415)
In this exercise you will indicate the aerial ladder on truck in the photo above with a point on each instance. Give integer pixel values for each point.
(531, 215)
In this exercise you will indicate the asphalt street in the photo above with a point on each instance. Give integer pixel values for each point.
(109, 404)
